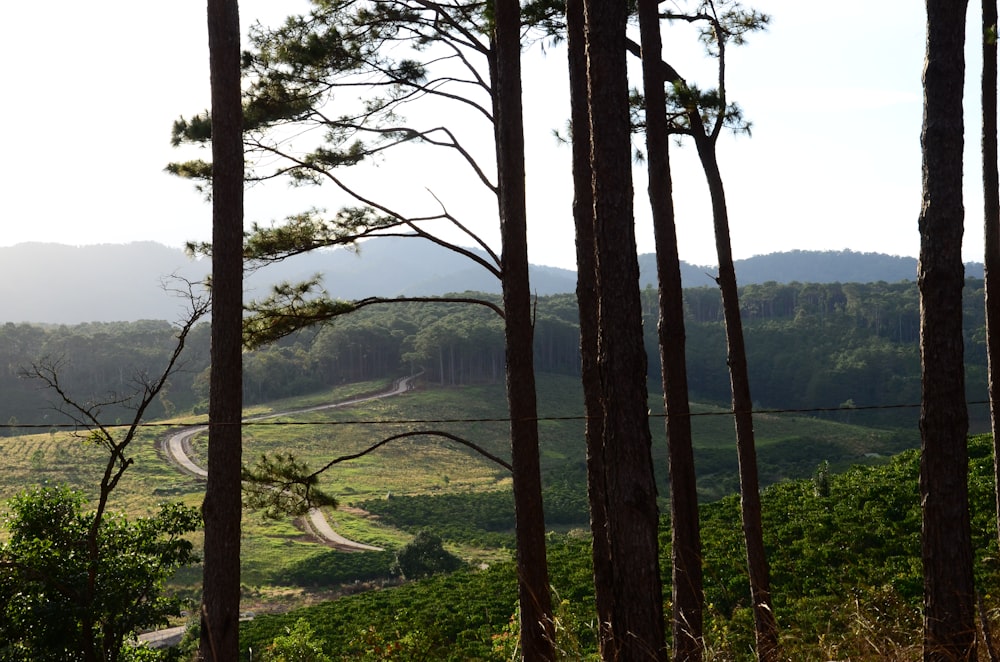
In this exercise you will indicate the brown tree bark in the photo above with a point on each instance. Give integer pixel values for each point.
(765, 624)
(222, 505)
(766, 627)
(991, 230)
(537, 624)
(688, 597)
(636, 626)
(946, 548)
(586, 294)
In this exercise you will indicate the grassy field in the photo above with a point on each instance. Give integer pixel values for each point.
(788, 447)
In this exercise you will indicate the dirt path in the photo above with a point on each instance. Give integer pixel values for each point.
(177, 448)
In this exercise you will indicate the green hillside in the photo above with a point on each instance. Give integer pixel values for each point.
(420, 483)
(846, 580)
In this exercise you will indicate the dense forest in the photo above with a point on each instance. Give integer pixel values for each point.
(810, 346)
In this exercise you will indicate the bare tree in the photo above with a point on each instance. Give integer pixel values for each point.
(103, 634)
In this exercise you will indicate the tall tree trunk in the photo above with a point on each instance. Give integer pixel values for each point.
(946, 548)
(222, 505)
(586, 295)
(766, 628)
(765, 624)
(688, 597)
(632, 516)
(537, 625)
(991, 230)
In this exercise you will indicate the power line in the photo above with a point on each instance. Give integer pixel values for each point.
(428, 421)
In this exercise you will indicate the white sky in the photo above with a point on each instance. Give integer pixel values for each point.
(91, 90)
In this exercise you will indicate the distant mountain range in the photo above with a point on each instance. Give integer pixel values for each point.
(59, 284)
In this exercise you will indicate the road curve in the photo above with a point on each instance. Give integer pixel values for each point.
(177, 445)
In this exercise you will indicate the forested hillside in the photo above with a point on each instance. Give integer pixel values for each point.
(810, 346)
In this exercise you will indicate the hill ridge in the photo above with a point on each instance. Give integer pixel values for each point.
(62, 284)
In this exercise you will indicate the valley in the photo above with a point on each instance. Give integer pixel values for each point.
(833, 368)
(419, 483)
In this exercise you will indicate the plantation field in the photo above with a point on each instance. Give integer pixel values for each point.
(846, 580)
(423, 482)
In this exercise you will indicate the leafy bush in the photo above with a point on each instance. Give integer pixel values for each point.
(424, 556)
(333, 567)
(298, 644)
(60, 598)
(483, 519)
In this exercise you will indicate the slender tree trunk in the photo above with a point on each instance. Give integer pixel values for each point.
(760, 586)
(632, 516)
(946, 548)
(586, 294)
(766, 627)
(991, 230)
(537, 625)
(222, 505)
(688, 597)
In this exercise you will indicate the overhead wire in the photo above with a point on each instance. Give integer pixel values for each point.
(276, 421)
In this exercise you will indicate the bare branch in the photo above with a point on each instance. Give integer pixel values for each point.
(417, 433)
(284, 485)
(300, 163)
(448, 19)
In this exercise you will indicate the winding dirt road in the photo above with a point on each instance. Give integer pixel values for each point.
(177, 449)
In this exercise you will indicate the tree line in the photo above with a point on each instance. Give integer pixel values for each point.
(810, 345)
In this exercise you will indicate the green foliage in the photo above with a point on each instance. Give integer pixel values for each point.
(446, 617)
(280, 485)
(295, 70)
(330, 568)
(298, 644)
(306, 231)
(453, 617)
(574, 638)
(821, 479)
(289, 308)
(61, 597)
(846, 579)
(97, 361)
(425, 556)
(480, 519)
(197, 130)
(197, 170)
(373, 645)
(845, 566)
(862, 348)
(484, 519)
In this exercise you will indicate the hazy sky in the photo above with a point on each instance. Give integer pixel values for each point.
(833, 92)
